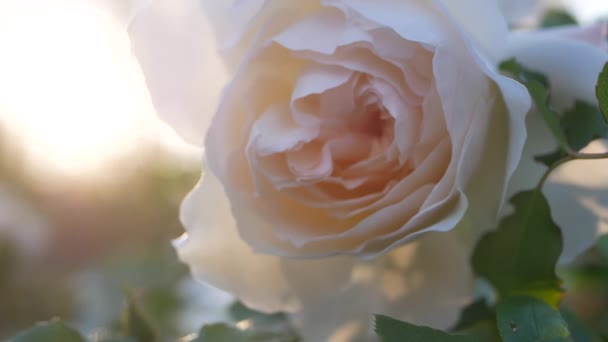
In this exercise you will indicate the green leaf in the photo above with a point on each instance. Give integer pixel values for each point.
(523, 318)
(538, 87)
(238, 311)
(556, 17)
(581, 124)
(520, 256)
(522, 74)
(277, 322)
(52, 331)
(601, 91)
(221, 332)
(475, 312)
(134, 323)
(485, 331)
(392, 330)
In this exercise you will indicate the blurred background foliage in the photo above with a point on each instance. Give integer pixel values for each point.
(100, 238)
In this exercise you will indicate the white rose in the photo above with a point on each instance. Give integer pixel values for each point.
(349, 129)
(287, 179)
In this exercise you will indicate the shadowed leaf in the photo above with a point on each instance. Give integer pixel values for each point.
(520, 256)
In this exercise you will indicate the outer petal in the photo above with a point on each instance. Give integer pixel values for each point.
(174, 45)
(218, 256)
(241, 24)
(426, 282)
(594, 35)
(483, 20)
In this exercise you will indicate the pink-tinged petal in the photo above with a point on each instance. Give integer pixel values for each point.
(174, 45)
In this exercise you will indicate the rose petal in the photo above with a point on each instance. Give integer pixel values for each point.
(174, 45)
(218, 256)
(425, 282)
(516, 10)
(483, 21)
(594, 35)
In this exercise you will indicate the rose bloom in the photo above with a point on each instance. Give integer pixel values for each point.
(358, 148)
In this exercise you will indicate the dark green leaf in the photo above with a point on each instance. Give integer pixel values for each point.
(224, 333)
(520, 256)
(538, 87)
(240, 312)
(522, 74)
(392, 330)
(484, 331)
(523, 318)
(555, 17)
(278, 322)
(581, 124)
(135, 324)
(53, 331)
(601, 91)
(476, 312)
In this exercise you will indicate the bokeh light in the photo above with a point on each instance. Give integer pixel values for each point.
(71, 88)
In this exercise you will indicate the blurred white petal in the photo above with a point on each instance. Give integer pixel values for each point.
(518, 10)
(426, 282)
(173, 42)
(572, 66)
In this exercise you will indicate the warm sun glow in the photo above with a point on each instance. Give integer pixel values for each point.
(70, 86)
(71, 89)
